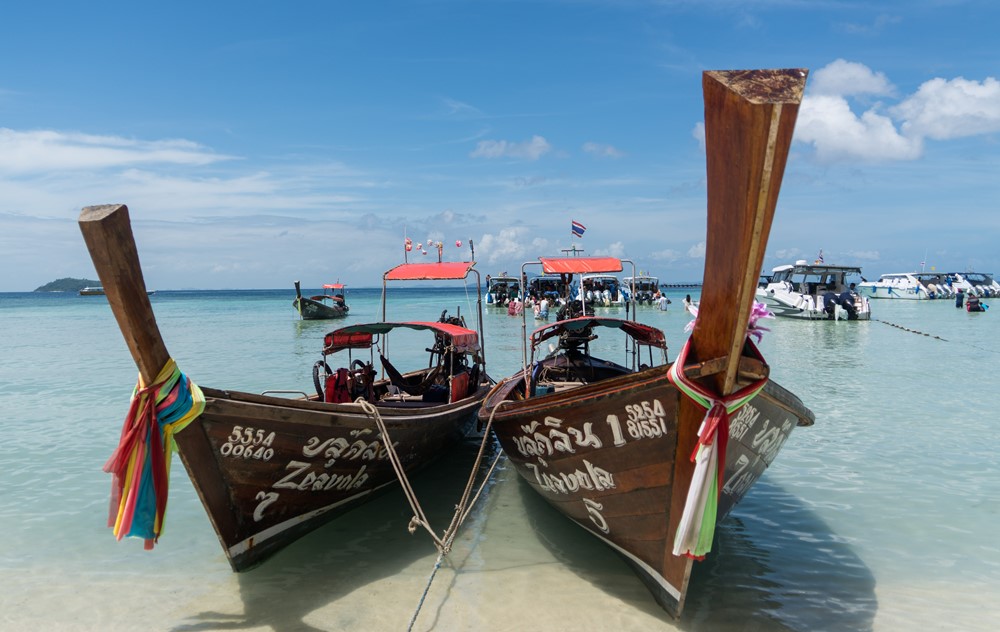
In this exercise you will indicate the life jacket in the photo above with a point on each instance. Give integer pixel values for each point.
(337, 389)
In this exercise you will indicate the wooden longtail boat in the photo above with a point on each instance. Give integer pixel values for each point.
(330, 304)
(612, 447)
(270, 468)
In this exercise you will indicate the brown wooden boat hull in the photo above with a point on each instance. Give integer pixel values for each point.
(269, 470)
(603, 454)
(310, 309)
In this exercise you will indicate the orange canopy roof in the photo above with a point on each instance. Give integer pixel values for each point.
(580, 265)
(360, 336)
(429, 271)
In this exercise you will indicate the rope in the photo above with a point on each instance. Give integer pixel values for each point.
(419, 518)
(423, 597)
(462, 509)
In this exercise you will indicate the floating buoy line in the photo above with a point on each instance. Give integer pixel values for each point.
(914, 331)
(921, 333)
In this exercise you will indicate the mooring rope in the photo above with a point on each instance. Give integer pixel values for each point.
(462, 509)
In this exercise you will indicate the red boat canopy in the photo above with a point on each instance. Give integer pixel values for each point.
(580, 265)
(460, 339)
(429, 271)
(333, 286)
(642, 334)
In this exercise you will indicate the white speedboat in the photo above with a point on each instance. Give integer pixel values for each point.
(814, 292)
(976, 284)
(937, 284)
(601, 290)
(646, 288)
(898, 285)
(501, 289)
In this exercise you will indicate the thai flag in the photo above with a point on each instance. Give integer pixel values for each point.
(578, 229)
(819, 259)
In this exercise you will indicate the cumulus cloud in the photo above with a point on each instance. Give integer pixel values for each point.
(844, 78)
(840, 135)
(788, 253)
(668, 255)
(699, 133)
(941, 109)
(616, 249)
(48, 150)
(602, 151)
(508, 244)
(697, 251)
(528, 150)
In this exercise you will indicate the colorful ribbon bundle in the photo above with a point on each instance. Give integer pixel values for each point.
(140, 466)
(696, 529)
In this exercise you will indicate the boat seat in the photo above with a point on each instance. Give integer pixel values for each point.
(459, 385)
(414, 385)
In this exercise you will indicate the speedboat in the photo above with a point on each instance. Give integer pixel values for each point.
(977, 284)
(814, 291)
(645, 288)
(938, 285)
(903, 285)
(555, 288)
(501, 289)
(601, 290)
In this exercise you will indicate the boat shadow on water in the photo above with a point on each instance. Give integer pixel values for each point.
(797, 575)
(363, 570)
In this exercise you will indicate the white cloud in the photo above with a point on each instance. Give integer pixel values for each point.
(616, 249)
(667, 256)
(845, 78)
(788, 254)
(529, 150)
(839, 135)
(47, 150)
(699, 133)
(697, 251)
(943, 109)
(940, 110)
(509, 244)
(865, 255)
(461, 109)
(603, 151)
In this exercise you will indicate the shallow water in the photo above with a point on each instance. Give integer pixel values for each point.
(880, 517)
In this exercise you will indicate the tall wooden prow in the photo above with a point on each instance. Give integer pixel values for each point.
(749, 119)
(108, 234)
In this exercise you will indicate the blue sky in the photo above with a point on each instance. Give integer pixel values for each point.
(257, 143)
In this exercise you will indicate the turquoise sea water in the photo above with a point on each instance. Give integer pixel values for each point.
(882, 516)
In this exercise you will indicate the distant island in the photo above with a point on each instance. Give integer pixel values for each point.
(68, 285)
